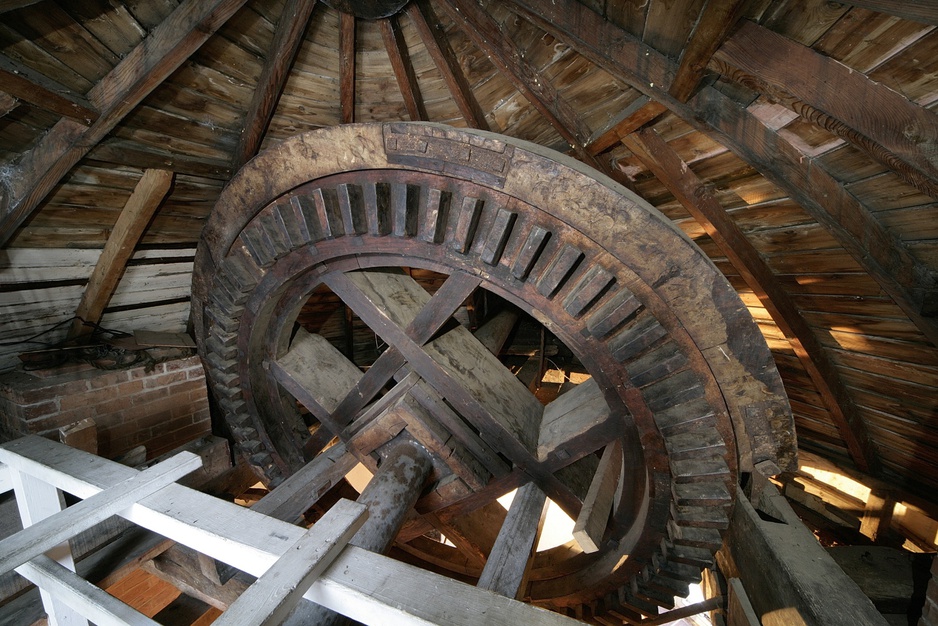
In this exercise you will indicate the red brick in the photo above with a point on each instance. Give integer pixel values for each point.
(57, 420)
(34, 411)
(149, 396)
(113, 406)
(109, 379)
(164, 380)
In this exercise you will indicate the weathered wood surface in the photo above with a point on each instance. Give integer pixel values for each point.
(167, 47)
(361, 584)
(48, 532)
(286, 42)
(347, 67)
(21, 82)
(421, 14)
(597, 505)
(133, 220)
(399, 58)
(510, 559)
(881, 254)
(674, 173)
(270, 599)
(889, 127)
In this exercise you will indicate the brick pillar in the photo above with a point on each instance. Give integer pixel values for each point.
(930, 610)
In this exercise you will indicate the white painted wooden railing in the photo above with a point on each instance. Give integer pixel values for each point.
(289, 561)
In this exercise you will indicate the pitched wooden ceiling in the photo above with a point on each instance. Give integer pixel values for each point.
(796, 141)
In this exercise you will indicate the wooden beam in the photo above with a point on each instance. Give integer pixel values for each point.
(710, 604)
(294, 496)
(133, 220)
(908, 281)
(271, 598)
(40, 91)
(925, 11)
(699, 201)
(898, 133)
(507, 566)
(85, 598)
(403, 68)
(594, 516)
(43, 535)
(717, 19)
(115, 95)
(283, 49)
(487, 34)
(10, 5)
(422, 16)
(642, 110)
(347, 67)
(371, 588)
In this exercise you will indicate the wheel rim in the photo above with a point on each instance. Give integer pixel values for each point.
(265, 250)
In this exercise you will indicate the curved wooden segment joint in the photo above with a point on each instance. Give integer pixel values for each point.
(681, 381)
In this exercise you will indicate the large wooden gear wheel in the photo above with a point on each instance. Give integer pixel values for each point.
(683, 395)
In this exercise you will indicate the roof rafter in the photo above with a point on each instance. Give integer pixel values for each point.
(696, 197)
(487, 34)
(347, 67)
(283, 49)
(115, 95)
(403, 68)
(40, 91)
(421, 14)
(132, 221)
(909, 282)
(896, 132)
(717, 19)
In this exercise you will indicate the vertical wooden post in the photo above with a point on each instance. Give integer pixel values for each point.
(38, 500)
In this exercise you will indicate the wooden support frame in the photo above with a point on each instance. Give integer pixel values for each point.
(507, 566)
(347, 67)
(403, 68)
(45, 534)
(360, 584)
(421, 14)
(269, 600)
(699, 201)
(40, 91)
(286, 43)
(123, 88)
(717, 19)
(133, 220)
(889, 128)
(805, 179)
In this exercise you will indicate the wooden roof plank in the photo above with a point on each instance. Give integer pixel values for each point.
(421, 14)
(697, 198)
(925, 11)
(487, 34)
(886, 259)
(347, 67)
(283, 49)
(403, 69)
(133, 220)
(116, 95)
(40, 91)
(896, 132)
